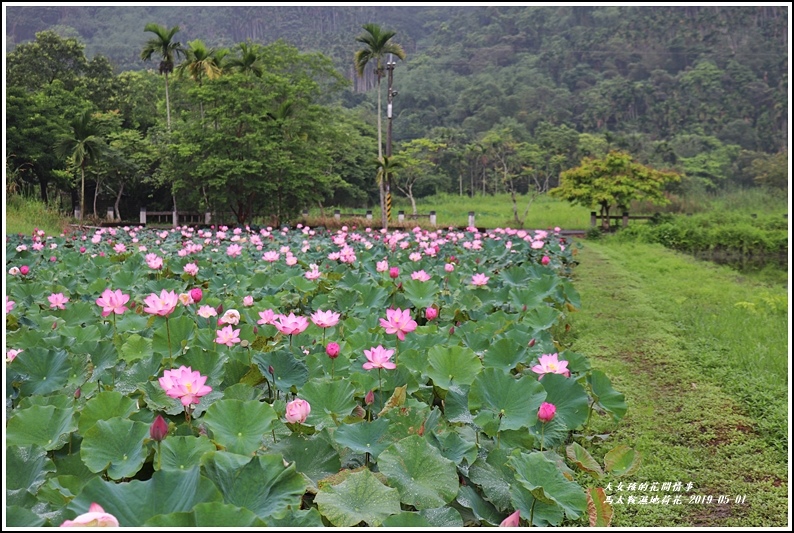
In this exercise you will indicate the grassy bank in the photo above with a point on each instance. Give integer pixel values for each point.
(701, 356)
(23, 215)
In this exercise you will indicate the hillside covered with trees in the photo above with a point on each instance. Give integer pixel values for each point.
(261, 111)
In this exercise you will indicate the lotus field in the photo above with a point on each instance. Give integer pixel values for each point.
(300, 377)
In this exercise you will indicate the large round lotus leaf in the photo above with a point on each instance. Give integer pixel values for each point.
(543, 514)
(494, 477)
(238, 426)
(504, 354)
(544, 479)
(115, 445)
(607, 397)
(16, 516)
(452, 366)
(42, 425)
(314, 456)
(420, 293)
(359, 498)
(364, 437)
(183, 452)
(206, 515)
(104, 406)
(44, 371)
(134, 502)
(298, 518)
(483, 510)
(406, 519)
(445, 517)
(263, 484)
(26, 470)
(181, 330)
(330, 401)
(568, 397)
(424, 477)
(503, 402)
(287, 370)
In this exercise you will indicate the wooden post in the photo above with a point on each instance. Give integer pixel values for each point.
(400, 216)
(175, 216)
(625, 219)
(111, 214)
(471, 219)
(337, 214)
(143, 216)
(207, 217)
(432, 218)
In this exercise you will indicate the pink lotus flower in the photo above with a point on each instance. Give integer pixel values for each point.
(270, 256)
(207, 311)
(297, 411)
(537, 245)
(394, 272)
(113, 302)
(545, 260)
(398, 321)
(268, 316)
(510, 521)
(57, 300)
(154, 261)
(196, 294)
(546, 412)
(548, 364)
(120, 248)
(234, 250)
(378, 357)
(325, 319)
(431, 313)
(248, 301)
(449, 267)
(232, 316)
(9, 305)
(13, 271)
(382, 266)
(185, 298)
(12, 354)
(162, 305)
(291, 325)
(479, 279)
(313, 273)
(228, 336)
(332, 350)
(191, 269)
(421, 275)
(186, 384)
(95, 517)
(24, 270)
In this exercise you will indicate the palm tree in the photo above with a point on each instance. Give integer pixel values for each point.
(84, 146)
(164, 45)
(248, 62)
(377, 44)
(199, 62)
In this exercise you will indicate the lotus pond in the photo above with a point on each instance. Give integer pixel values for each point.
(246, 377)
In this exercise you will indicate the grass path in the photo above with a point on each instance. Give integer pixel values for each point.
(681, 419)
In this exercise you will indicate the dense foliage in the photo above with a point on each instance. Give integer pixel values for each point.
(516, 95)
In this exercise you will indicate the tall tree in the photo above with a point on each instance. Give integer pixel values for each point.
(249, 61)
(164, 45)
(377, 43)
(199, 63)
(84, 146)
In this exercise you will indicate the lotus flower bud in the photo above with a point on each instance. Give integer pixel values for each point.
(393, 272)
(159, 429)
(332, 350)
(546, 412)
(431, 313)
(196, 294)
(369, 399)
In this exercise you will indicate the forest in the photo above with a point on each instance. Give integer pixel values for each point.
(260, 110)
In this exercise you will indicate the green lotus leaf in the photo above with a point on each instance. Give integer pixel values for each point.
(408, 420)
(206, 515)
(43, 371)
(482, 510)
(364, 437)
(135, 347)
(182, 452)
(542, 317)
(314, 456)
(504, 354)
(611, 400)
(298, 518)
(359, 498)
(181, 331)
(599, 510)
(503, 402)
(583, 460)
(115, 445)
(457, 406)
(622, 460)
(238, 426)
(40, 425)
(104, 406)
(263, 484)
(241, 391)
(424, 477)
(543, 514)
(445, 517)
(78, 313)
(287, 370)
(373, 296)
(454, 446)
(135, 502)
(516, 276)
(421, 293)
(494, 478)
(569, 397)
(452, 365)
(142, 371)
(207, 362)
(545, 481)
(330, 401)
(27, 468)
(406, 519)
(16, 516)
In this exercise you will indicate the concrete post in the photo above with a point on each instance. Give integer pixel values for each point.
(471, 219)
(432, 218)
(142, 219)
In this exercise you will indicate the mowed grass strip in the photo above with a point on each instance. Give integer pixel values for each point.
(685, 415)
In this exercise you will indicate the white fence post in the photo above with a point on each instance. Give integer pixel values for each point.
(337, 214)
(176, 218)
(143, 216)
(369, 214)
(471, 219)
(400, 216)
(432, 218)
(111, 214)
(207, 217)
(77, 214)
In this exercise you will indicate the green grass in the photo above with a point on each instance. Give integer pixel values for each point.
(23, 215)
(705, 380)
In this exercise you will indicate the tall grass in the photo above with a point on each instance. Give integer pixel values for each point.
(23, 215)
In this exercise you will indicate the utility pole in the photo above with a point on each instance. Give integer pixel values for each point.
(390, 68)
